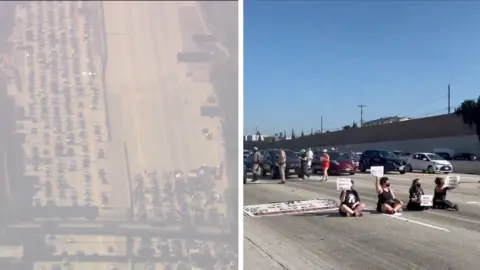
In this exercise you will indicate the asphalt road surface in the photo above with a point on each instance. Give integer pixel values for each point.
(433, 239)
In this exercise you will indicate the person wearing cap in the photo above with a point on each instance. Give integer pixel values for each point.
(387, 202)
(350, 204)
(325, 158)
(255, 159)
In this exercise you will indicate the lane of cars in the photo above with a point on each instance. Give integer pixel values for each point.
(61, 112)
(350, 162)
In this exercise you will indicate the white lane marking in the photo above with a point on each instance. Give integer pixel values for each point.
(417, 222)
(472, 202)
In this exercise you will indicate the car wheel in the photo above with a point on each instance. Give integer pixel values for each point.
(408, 168)
(402, 172)
(430, 169)
(352, 173)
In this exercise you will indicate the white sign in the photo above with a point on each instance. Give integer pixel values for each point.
(376, 171)
(426, 200)
(289, 208)
(344, 183)
(452, 181)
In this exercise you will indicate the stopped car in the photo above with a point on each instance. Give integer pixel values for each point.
(465, 156)
(402, 155)
(340, 163)
(428, 162)
(270, 158)
(385, 158)
(246, 160)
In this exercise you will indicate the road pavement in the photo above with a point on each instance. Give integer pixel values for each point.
(433, 239)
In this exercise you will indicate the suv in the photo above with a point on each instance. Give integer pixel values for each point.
(270, 158)
(387, 159)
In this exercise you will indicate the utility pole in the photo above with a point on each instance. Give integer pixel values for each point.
(361, 106)
(449, 99)
(321, 124)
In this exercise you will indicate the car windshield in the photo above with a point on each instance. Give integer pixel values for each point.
(434, 157)
(290, 154)
(340, 156)
(387, 154)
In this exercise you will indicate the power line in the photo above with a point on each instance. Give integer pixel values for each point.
(361, 106)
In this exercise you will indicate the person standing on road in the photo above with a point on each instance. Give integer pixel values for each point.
(304, 165)
(309, 158)
(325, 158)
(255, 158)
(282, 165)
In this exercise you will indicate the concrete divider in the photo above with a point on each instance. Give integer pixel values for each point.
(470, 167)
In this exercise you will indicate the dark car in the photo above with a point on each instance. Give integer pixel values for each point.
(270, 158)
(340, 163)
(385, 158)
(465, 156)
(444, 155)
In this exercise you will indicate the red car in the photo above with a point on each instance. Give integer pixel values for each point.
(340, 163)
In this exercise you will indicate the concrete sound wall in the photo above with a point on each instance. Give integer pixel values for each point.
(432, 132)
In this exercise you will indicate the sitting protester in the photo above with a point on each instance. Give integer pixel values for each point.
(440, 196)
(387, 202)
(350, 204)
(416, 192)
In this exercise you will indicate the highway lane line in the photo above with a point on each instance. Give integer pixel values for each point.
(417, 222)
(472, 202)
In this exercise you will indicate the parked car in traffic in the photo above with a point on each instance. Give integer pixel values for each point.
(340, 163)
(444, 155)
(385, 158)
(270, 159)
(428, 162)
(402, 155)
(465, 157)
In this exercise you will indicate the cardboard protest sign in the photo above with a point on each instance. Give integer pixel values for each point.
(452, 181)
(376, 171)
(344, 183)
(426, 200)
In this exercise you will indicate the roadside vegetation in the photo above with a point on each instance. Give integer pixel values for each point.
(469, 110)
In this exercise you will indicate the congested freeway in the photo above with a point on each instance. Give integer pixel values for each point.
(124, 165)
(432, 239)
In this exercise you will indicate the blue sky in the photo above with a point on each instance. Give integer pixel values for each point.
(307, 59)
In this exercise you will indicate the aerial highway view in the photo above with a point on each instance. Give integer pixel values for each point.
(108, 158)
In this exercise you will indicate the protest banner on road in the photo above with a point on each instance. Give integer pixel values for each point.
(376, 171)
(344, 183)
(452, 181)
(426, 200)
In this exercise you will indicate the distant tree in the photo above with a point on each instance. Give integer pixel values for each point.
(293, 135)
(302, 134)
(354, 125)
(346, 127)
(469, 110)
(284, 134)
(311, 132)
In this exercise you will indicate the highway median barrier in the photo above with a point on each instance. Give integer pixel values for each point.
(468, 167)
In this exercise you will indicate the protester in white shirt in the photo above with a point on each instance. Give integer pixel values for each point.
(309, 158)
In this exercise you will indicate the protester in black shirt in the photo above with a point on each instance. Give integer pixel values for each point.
(416, 192)
(350, 204)
(440, 196)
(387, 202)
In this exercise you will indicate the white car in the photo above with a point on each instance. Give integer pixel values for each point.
(428, 162)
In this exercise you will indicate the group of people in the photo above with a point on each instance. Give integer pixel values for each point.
(388, 203)
(306, 157)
